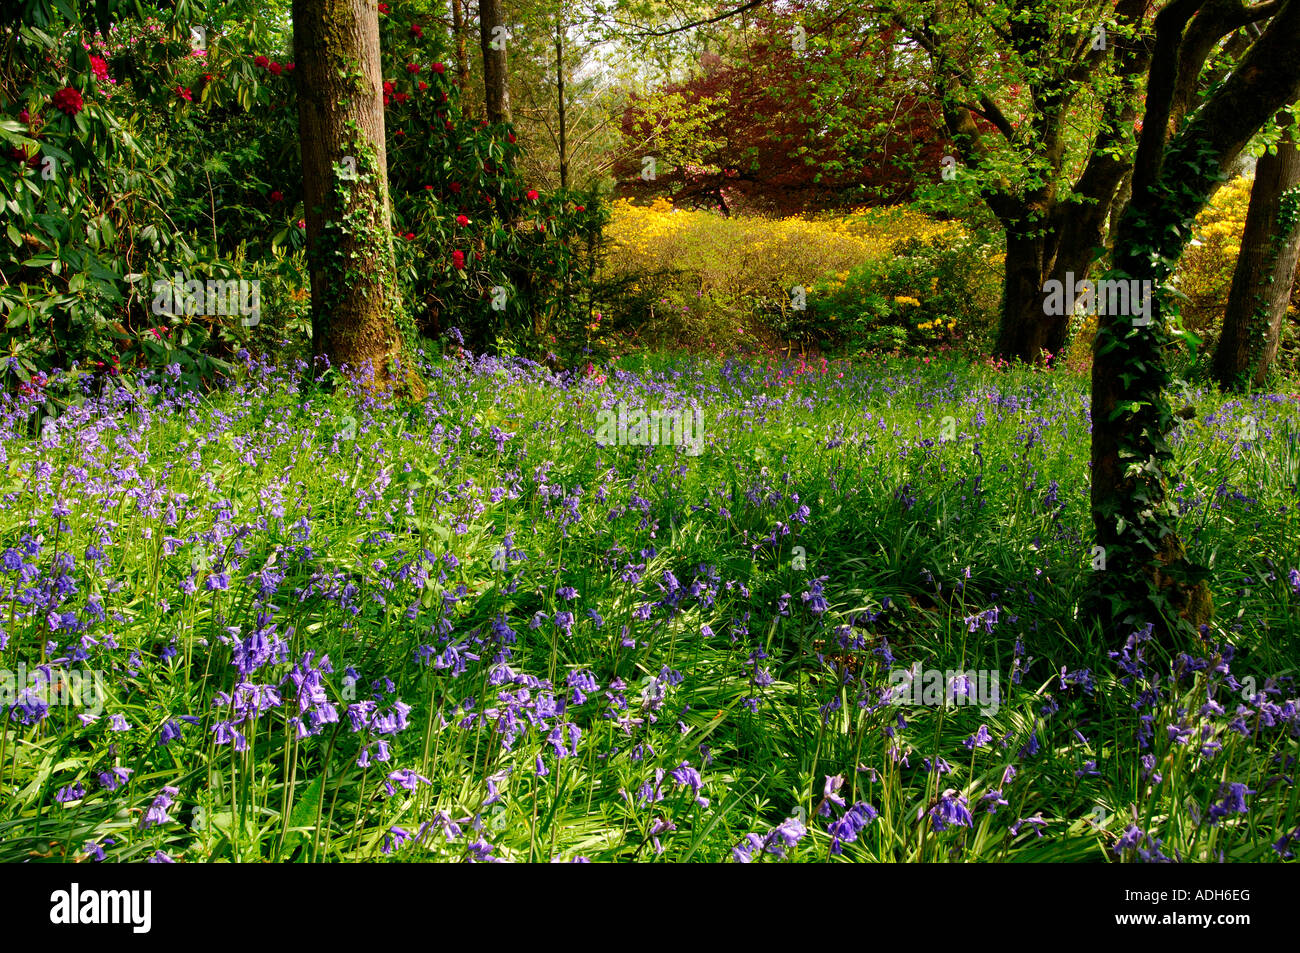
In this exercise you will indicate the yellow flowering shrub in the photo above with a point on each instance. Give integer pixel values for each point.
(695, 274)
(1205, 271)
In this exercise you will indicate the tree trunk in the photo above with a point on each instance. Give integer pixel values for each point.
(458, 31)
(1147, 577)
(1122, 197)
(559, 83)
(345, 182)
(1261, 283)
(1025, 330)
(492, 38)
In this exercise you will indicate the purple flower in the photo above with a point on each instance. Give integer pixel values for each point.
(949, 811)
(1036, 822)
(1129, 839)
(846, 829)
(816, 601)
(988, 618)
(992, 801)
(829, 797)
(1030, 748)
(157, 812)
(115, 778)
(785, 835)
(1281, 845)
(396, 837)
(979, 739)
(406, 779)
(687, 776)
(743, 852)
(1233, 802)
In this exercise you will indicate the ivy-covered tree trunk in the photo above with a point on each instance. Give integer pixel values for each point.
(1261, 282)
(345, 182)
(1147, 577)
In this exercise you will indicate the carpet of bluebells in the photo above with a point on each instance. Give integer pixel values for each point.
(331, 625)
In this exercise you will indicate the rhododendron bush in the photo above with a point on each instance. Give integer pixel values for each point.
(153, 150)
(138, 155)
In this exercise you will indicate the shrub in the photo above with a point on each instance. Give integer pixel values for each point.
(937, 292)
(690, 276)
(108, 197)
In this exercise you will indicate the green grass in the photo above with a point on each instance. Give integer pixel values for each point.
(375, 535)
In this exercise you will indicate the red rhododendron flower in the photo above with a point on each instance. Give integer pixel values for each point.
(301, 223)
(510, 138)
(462, 220)
(402, 97)
(439, 68)
(68, 100)
(423, 86)
(449, 126)
(288, 66)
(413, 67)
(24, 115)
(184, 94)
(277, 196)
(99, 67)
(455, 188)
(582, 208)
(261, 62)
(275, 69)
(458, 260)
(532, 195)
(416, 31)
(409, 236)
(428, 188)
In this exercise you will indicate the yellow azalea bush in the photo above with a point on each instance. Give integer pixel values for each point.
(752, 255)
(1205, 272)
(695, 276)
